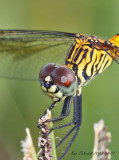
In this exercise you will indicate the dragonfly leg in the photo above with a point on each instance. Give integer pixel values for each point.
(65, 111)
(51, 107)
(62, 126)
(77, 118)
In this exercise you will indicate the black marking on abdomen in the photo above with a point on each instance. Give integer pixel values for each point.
(78, 54)
(100, 62)
(105, 64)
(84, 56)
(75, 68)
(84, 70)
(92, 68)
(70, 52)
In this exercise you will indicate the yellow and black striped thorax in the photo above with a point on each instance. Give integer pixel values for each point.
(90, 56)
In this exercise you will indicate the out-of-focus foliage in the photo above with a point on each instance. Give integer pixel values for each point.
(21, 101)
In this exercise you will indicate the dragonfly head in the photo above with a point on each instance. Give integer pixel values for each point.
(57, 82)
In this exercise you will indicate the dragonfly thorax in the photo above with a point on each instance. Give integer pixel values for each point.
(57, 82)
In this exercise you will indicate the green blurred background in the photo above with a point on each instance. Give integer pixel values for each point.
(20, 101)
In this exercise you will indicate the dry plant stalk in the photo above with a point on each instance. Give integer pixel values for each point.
(46, 141)
(28, 147)
(102, 138)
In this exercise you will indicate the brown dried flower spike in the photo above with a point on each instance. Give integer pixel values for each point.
(102, 138)
(28, 147)
(46, 143)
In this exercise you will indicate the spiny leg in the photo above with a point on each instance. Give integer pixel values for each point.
(77, 100)
(77, 118)
(65, 111)
(51, 107)
(77, 115)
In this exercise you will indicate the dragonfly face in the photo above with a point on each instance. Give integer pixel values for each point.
(58, 81)
(23, 53)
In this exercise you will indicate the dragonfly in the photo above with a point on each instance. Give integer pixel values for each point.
(62, 62)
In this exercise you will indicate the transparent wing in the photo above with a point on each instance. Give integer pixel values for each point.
(23, 53)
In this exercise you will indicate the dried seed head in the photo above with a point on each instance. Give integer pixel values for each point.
(102, 138)
(44, 140)
(27, 147)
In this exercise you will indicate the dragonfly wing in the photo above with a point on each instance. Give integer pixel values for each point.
(24, 53)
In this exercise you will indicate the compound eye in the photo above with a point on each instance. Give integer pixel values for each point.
(63, 76)
(46, 71)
